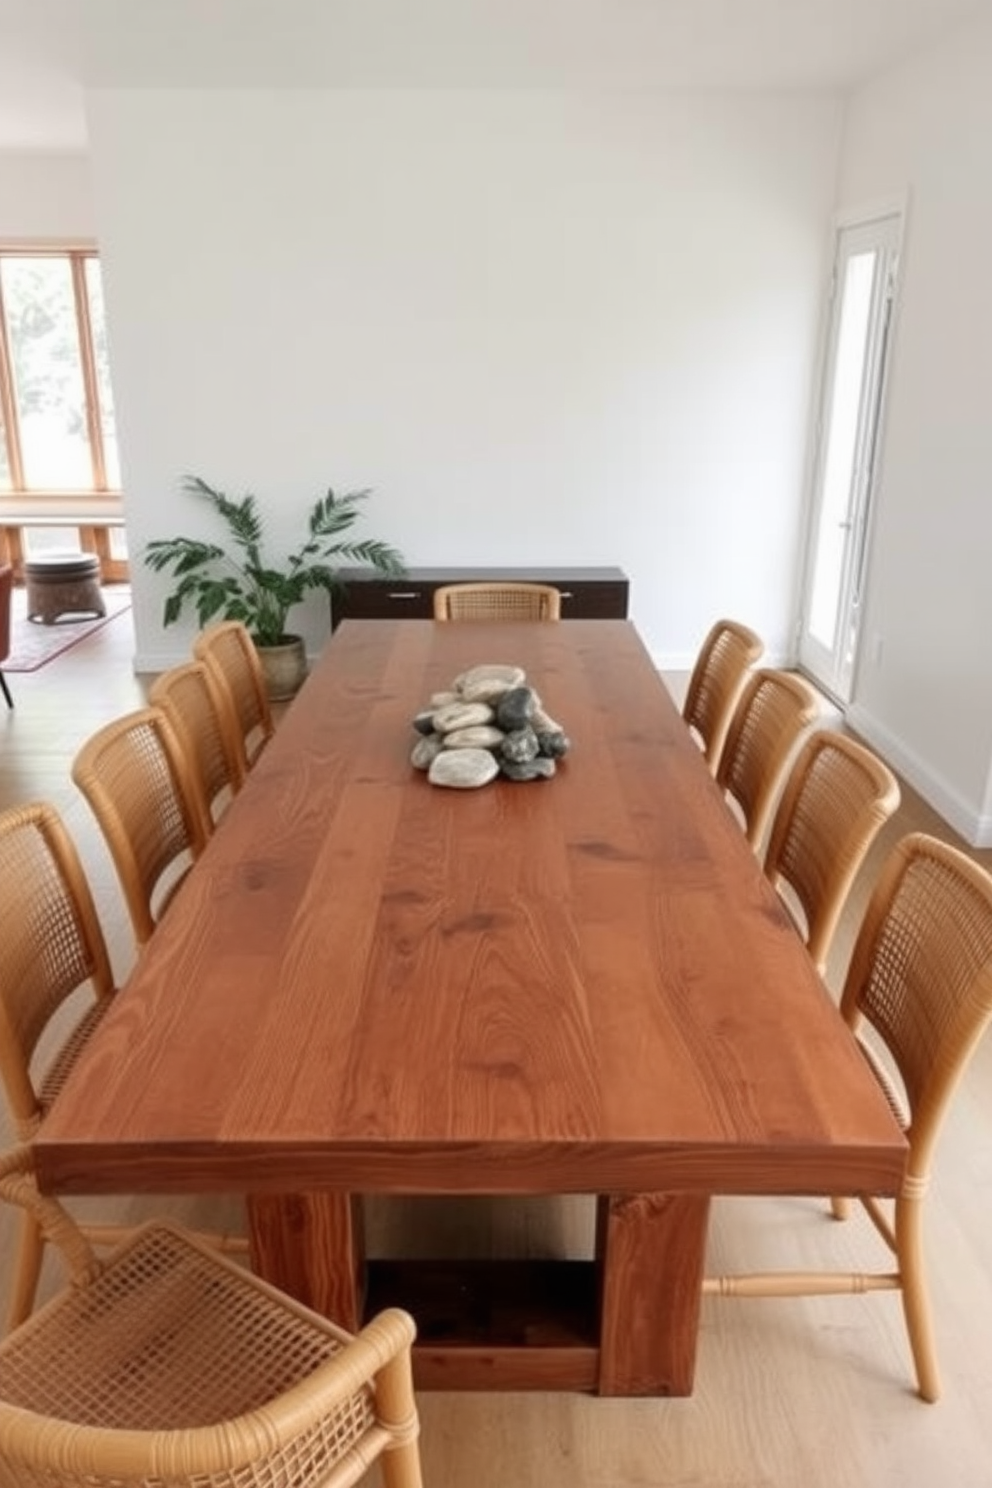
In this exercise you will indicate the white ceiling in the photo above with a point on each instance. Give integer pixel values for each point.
(50, 50)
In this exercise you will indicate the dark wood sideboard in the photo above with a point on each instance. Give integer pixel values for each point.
(586, 593)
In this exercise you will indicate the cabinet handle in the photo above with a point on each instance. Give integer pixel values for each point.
(566, 594)
(404, 594)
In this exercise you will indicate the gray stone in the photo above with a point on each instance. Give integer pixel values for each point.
(553, 743)
(424, 722)
(464, 769)
(442, 699)
(520, 746)
(425, 751)
(480, 736)
(461, 715)
(535, 769)
(515, 708)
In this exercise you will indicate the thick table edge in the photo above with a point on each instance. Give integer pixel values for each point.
(202, 1167)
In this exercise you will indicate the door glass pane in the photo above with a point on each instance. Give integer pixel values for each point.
(98, 323)
(841, 445)
(47, 372)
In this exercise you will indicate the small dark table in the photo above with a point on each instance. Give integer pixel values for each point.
(586, 593)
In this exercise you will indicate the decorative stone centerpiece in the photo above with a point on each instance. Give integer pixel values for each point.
(489, 723)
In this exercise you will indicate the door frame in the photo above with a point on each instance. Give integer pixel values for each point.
(843, 221)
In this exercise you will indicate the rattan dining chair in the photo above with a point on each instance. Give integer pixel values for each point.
(202, 718)
(6, 589)
(497, 601)
(836, 800)
(920, 980)
(136, 779)
(56, 985)
(715, 684)
(165, 1364)
(52, 947)
(228, 650)
(771, 715)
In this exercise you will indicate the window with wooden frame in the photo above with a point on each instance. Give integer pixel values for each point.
(58, 439)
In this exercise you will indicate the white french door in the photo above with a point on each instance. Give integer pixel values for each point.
(845, 466)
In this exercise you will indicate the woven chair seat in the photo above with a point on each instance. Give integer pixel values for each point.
(148, 1345)
(174, 1366)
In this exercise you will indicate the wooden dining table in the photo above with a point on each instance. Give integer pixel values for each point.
(372, 985)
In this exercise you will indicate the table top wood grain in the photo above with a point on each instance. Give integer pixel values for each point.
(372, 984)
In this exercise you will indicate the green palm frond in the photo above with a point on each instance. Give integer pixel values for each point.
(215, 584)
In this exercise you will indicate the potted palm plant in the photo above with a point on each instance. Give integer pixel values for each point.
(236, 581)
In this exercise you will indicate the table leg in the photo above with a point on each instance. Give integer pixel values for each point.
(312, 1246)
(651, 1253)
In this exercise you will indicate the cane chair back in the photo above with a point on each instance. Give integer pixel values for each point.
(136, 779)
(202, 719)
(920, 982)
(165, 1364)
(228, 650)
(774, 710)
(6, 589)
(836, 800)
(715, 684)
(495, 601)
(52, 947)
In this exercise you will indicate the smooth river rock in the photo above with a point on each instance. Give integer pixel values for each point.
(484, 690)
(480, 736)
(425, 751)
(464, 769)
(520, 746)
(534, 769)
(489, 674)
(543, 723)
(554, 744)
(515, 708)
(460, 716)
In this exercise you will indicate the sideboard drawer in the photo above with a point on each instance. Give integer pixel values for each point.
(593, 600)
(586, 593)
(390, 599)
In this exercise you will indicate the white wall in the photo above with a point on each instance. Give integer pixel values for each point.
(45, 197)
(928, 702)
(546, 328)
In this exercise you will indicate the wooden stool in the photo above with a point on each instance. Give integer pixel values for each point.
(63, 584)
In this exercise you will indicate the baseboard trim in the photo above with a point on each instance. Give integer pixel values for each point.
(975, 828)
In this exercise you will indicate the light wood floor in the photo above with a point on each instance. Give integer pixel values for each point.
(812, 1392)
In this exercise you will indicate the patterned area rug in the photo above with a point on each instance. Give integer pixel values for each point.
(33, 645)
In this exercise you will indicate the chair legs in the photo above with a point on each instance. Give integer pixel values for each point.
(27, 1269)
(6, 690)
(915, 1302)
(396, 1408)
(904, 1236)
